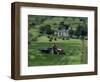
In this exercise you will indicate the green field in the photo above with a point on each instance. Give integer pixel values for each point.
(76, 53)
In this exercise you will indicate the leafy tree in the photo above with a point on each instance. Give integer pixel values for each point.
(81, 31)
(71, 32)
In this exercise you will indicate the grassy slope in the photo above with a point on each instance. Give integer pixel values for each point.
(72, 49)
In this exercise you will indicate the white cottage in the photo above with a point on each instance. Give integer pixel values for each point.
(62, 33)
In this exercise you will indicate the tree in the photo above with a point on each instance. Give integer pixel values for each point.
(81, 32)
(78, 31)
(42, 29)
(71, 32)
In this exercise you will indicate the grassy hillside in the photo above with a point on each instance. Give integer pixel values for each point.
(73, 50)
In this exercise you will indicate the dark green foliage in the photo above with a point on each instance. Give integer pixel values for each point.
(81, 31)
(71, 32)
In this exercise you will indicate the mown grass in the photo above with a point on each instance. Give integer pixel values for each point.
(73, 48)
